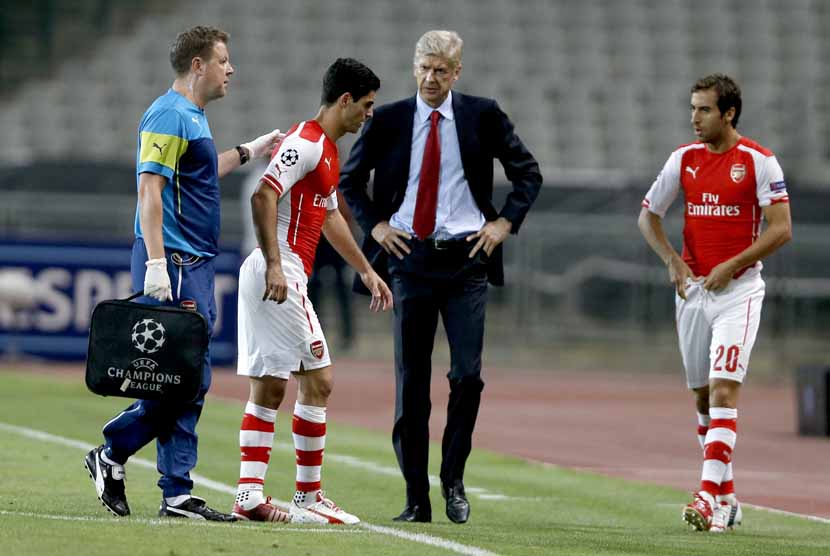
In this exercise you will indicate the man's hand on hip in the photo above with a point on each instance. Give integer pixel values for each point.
(679, 272)
(391, 239)
(156, 280)
(490, 236)
(720, 276)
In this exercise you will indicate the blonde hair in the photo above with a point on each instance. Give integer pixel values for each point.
(445, 44)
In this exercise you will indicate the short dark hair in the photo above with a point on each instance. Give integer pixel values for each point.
(193, 42)
(728, 91)
(347, 75)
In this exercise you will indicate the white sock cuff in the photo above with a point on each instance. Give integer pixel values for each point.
(723, 413)
(108, 460)
(176, 500)
(703, 419)
(260, 412)
(245, 487)
(310, 413)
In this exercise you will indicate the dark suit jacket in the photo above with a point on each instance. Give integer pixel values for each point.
(385, 145)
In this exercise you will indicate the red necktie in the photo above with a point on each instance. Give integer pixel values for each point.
(423, 223)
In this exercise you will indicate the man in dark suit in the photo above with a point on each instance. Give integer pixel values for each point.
(431, 210)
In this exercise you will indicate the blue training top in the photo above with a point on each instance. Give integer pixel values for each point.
(174, 141)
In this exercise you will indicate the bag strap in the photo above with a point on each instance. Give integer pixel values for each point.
(133, 296)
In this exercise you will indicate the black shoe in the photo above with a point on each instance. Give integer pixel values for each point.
(458, 508)
(193, 508)
(109, 482)
(415, 513)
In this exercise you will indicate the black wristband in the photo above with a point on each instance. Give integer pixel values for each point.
(243, 154)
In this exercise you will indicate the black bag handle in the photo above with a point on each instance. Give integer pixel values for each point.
(133, 296)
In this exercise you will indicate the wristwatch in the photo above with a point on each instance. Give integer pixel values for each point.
(243, 154)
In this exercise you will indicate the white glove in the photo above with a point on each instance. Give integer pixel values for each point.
(264, 144)
(156, 280)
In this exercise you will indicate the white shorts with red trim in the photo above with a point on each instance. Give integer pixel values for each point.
(277, 339)
(717, 330)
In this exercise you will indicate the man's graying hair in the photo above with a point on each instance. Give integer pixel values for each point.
(446, 44)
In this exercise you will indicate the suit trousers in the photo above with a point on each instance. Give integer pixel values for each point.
(427, 283)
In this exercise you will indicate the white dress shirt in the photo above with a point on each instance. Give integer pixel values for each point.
(457, 215)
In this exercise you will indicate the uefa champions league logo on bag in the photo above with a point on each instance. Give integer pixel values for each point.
(143, 374)
(148, 336)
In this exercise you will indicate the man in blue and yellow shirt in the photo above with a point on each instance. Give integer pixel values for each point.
(177, 234)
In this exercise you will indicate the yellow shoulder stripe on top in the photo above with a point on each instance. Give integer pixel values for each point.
(162, 149)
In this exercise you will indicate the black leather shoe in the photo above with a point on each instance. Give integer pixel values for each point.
(109, 482)
(416, 513)
(458, 508)
(193, 508)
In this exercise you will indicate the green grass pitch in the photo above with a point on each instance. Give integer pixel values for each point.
(48, 504)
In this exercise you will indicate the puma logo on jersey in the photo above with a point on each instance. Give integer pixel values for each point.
(196, 121)
(693, 172)
(328, 163)
(156, 146)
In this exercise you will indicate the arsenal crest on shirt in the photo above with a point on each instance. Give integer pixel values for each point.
(317, 349)
(737, 172)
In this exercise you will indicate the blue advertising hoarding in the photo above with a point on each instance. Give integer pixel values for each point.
(71, 278)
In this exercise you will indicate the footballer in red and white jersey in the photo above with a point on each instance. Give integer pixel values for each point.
(724, 194)
(304, 171)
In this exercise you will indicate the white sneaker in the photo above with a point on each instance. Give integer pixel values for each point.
(736, 516)
(720, 518)
(322, 510)
(726, 516)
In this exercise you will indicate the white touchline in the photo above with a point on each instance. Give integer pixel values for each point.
(785, 512)
(379, 469)
(759, 508)
(420, 538)
(174, 523)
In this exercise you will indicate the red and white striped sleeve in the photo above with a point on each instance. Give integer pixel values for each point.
(666, 186)
(295, 158)
(771, 188)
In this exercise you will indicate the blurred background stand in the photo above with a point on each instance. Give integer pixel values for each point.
(812, 390)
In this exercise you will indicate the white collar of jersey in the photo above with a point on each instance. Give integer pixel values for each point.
(424, 109)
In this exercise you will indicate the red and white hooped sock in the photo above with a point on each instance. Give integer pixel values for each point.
(727, 487)
(717, 451)
(702, 428)
(256, 438)
(309, 428)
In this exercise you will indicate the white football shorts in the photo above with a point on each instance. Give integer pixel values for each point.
(717, 330)
(276, 339)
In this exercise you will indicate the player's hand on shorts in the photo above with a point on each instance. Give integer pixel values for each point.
(381, 295)
(490, 236)
(264, 145)
(679, 273)
(719, 276)
(391, 239)
(156, 280)
(276, 288)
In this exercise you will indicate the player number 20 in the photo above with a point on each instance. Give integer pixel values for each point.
(731, 363)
